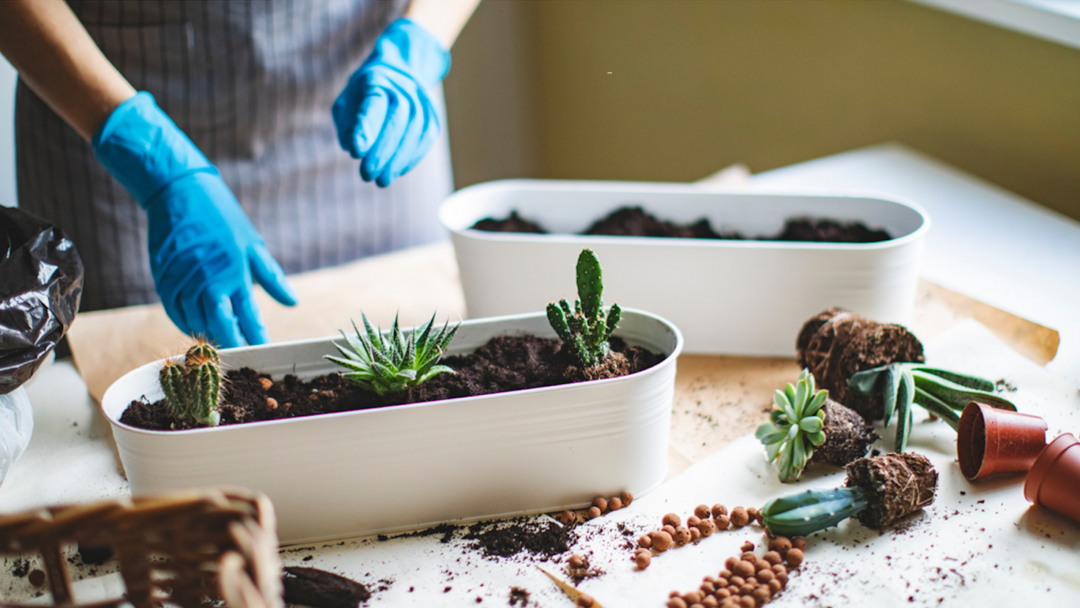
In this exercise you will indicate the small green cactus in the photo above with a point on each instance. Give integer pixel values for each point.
(394, 363)
(586, 329)
(193, 388)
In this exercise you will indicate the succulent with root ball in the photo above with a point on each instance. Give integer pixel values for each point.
(396, 362)
(193, 387)
(880, 492)
(941, 392)
(585, 329)
(806, 426)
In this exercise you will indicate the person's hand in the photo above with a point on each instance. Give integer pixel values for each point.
(204, 252)
(384, 116)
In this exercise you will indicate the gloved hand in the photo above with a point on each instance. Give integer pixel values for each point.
(203, 249)
(384, 117)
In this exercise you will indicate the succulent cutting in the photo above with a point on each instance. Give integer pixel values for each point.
(586, 329)
(941, 392)
(396, 362)
(880, 491)
(193, 387)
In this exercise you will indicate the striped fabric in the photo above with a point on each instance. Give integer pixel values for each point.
(251, 82)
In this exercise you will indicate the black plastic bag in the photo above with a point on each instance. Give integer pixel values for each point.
(41, 278)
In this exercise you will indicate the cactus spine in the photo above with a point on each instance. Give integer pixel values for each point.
(586, 328)
(193, 388)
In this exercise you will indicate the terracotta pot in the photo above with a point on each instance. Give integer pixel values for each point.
(993, 441)
(1054, 479)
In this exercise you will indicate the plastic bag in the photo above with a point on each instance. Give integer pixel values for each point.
(16, 426)
(41, 278)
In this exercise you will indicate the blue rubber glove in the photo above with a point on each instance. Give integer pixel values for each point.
(203, 249)
(384, 117)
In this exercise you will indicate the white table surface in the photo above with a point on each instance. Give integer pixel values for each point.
(985, 242)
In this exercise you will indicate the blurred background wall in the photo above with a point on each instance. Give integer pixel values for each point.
(695, 86)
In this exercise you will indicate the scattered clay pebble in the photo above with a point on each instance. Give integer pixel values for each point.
(707, 587)
(674, 594)
(706, 527)
(271, 403)
(702, 512)
(799, 543)
(747, 546)
(626, 498)
(695, 535)
(661, 541)
(567, 517)
(775, 586)
(794, 557)
(615, 503)
(670, 530)
(772, 557)
(576, 561)
(737, 581)
(780, 569)
(762, 595)
(643, 559)
(780, 544)
(266, 383)
(748, 555)
(760, 564)
(760, 518)
(672, 520)
(682, 536)
(600, 503)
(718, 510)
(693, 521)
(765, 576)
(730, 565)
(592, 513)
(676, 602)
(693, 597)
(584, 600)
(752, 512)
(722, 522)
(37, 577)
(743, 570)
(739, 517)
(645, 541)
(709, 602)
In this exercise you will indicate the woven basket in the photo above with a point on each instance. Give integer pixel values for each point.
(177, 549)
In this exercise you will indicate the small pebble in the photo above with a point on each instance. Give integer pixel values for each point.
(743, 570)
(762, 595)
(729, 563)
(780, 569)
(799, 543)
(775, 586)
(672, 520)
(739, 517)
(271, 403)
(748, 601)
(643, 559)
(585, 601)
(722, 522)
(718, 510)
(794, 557)
(710, 602)
(600, 503)
(765, 575)
(626, 498)
(670, 530)
(614, 503)
(567, 517)
(37, 577)
(772, 557)
(576, 561)
(747, 546)
(702, 512)
(707, 588)
(693, 597)
(592, 513)
(707, 527)
(266, 383)
(661, 541)
(695, 535)
(748, 556)
(645, 541)
(780, 544)
(736, 581)
(682, 536)
(676, 602)
(693, 521)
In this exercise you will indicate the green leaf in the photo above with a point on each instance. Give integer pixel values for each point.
(956, 396)
(789, 392)
(816, 403)
(812, 424)
(777, 416)
(765, 429)
(374, 337)
(773, 449)
(937, 407)
(892, 380)
(972, 382)
(434, 371)
(800, 398)
(866, 381)
(903, 430)
(817, 438)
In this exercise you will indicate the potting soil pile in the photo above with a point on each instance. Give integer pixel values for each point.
(977, 544)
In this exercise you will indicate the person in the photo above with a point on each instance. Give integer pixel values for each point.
(168, 138)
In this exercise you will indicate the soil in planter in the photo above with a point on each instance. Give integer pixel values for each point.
(848, 436)
(505, 363)
(635, 221)
(835, 344)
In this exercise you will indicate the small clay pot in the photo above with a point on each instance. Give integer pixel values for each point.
(991, 441)
(1054, 480)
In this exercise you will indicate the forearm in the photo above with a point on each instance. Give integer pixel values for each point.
(443, 18)
(58, 59)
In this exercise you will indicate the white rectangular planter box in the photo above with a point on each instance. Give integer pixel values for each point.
(409, 466)
(727, 297)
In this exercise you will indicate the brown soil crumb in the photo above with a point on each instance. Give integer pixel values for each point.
(519, 596)
(505, 363)
(542, 539)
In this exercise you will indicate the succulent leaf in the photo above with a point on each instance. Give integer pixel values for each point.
(795, 426)
(973, 382)
(804, 513)
(585, 329)
(397, 361)
(935, 406)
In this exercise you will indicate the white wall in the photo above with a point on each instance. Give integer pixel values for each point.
(7, 134)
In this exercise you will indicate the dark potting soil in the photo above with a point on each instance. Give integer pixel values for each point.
(322, 589)
(635, 221)
(505, 363)
(896, 485)
(835, 344)
(848, 436)
(543, 539)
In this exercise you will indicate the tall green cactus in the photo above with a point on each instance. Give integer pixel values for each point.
(586, 328)
(193, 388)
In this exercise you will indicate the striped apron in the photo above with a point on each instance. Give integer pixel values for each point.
(251, 82)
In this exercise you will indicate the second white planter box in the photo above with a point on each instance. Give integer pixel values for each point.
(728, 297)
(409, 466)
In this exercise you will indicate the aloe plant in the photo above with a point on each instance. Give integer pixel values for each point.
(396, 362)
(880, 491)
(586, 328)
(193, 387)
(943, 393)
(795, 427)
